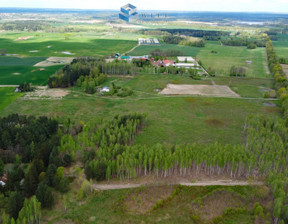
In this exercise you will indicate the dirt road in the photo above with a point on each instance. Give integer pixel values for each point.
(105, 187)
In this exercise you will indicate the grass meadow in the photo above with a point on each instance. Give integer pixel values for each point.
(166, 204)
(175, 120)
(281, 46)
(227, 56)
(7, 96)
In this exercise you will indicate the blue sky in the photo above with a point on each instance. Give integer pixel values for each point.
(187, 5)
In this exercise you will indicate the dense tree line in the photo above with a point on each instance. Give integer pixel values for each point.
(186, 41)
(159, 54)
(281, 80)
(283, 61)
(96, 68)
(251, 43)
(171, 39)
(25, 25)
(206, 34)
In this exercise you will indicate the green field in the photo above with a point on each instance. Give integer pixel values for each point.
(145, 50)
(7, 96)
(77, 46)
(15, 75)
(172, 120)
(17, 61)
(245, 87)
(281, 46)
(228, 56)
(193, 205)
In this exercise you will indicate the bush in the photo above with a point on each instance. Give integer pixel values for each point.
(237, 71)
(270, 94)
(45, 196)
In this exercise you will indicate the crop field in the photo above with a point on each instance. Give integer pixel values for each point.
(7, 96)
(15, 75)
(17, 61)
(227, 56)
(167, 204)
(50, 46)
(281, 46)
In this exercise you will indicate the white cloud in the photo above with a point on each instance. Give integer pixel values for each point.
(190, 5)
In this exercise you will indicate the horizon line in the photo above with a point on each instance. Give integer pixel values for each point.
(112, 10)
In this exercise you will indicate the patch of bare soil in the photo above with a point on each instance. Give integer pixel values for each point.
(142, 200)
(214, 205)
(213, 122)
(16, 73)
(23, 38)
(46, 93)
(52, 61)
(202, 90)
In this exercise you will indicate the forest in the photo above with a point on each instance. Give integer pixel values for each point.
(27, 137)
(186, 41)
(263, 155)
(94, 68)
(29, 185)
(206, 34)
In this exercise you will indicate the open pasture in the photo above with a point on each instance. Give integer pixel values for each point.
(281, 46)
(227, 56)
(170, 119)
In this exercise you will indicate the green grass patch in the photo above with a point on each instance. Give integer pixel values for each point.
(7, 96)
(111, 206)
(15, 75)
(227, 56)
(281, 46)
(246, 87)
(48, 46)
(14, 61)
(170, 119)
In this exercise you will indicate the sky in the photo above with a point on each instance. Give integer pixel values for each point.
(179, 5)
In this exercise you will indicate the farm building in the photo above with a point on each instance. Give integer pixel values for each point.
(185, 65)
(185, 59)
(105, 90)
(148, 41)
(128, 13)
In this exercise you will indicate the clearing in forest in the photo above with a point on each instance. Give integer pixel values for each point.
(202, 90)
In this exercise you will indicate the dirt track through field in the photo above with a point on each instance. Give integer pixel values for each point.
(105, 187)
